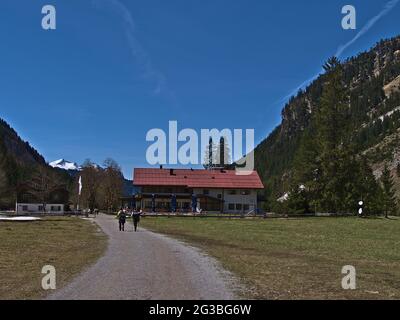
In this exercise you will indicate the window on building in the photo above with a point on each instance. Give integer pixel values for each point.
(40, 208)
(245, 192)
(55, 208)
(232, 192)
(231, 206)
(206, 192)
(24, 208)
(238, 207)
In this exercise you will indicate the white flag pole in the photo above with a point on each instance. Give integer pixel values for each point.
(79, 191)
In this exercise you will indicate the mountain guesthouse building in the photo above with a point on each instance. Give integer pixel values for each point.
(190, 190)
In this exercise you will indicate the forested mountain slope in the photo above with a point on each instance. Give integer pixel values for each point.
(24, 173)
(372, 82)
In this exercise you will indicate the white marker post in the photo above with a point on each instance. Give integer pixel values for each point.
(79, 191)
(360, 208)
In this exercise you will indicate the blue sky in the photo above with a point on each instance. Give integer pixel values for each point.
(115, 69)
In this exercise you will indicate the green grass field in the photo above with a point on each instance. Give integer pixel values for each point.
(298, 258)
(69, 244)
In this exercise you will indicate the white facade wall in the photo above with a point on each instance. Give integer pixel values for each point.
(239, 200)
(37, 208)
(249, 200)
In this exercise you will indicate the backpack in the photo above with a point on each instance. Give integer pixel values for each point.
(122, 217)
(136, 217)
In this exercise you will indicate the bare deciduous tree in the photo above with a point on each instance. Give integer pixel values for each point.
(90, 184)
(44, 184)
(111, 184)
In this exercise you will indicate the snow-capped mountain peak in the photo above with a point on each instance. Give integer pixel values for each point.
(66, 165)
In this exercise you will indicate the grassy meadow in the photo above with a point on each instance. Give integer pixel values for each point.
(69, 244)
(298, 258)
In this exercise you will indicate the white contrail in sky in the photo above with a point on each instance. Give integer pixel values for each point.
(386, 9)
(138, 52)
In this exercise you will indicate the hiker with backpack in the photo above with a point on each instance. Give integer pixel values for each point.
(136, 219)
(121, 219)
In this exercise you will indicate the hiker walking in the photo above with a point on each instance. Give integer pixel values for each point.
(121, 219)
(136, 219)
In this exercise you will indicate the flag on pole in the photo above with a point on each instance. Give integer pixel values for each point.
(80, 185)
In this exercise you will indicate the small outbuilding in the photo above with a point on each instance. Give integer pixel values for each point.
(29, 208)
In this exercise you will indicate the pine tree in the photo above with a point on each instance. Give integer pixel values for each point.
(307, 169)
(334, 177)
(389, 199)
(208, 161)
(329, 161)
(331, 116)
(368, 189)
(223, 154)
(211, 155)
(299, 201)
(331, 126)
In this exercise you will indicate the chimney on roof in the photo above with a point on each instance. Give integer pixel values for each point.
(171, 172)
(161, 166)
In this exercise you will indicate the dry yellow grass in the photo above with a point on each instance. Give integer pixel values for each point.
(69, 244)
(299, 258)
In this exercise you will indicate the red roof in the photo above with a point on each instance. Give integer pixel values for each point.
(227, 179)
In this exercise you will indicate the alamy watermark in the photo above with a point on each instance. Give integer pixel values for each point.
(349, 280)
(349, 21)
(49, 280)
(184, 147)
(49, 20)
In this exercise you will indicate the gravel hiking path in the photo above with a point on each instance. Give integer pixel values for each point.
(145, 265)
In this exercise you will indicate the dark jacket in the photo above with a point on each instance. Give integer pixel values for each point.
(122, 216)
(136, 216)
